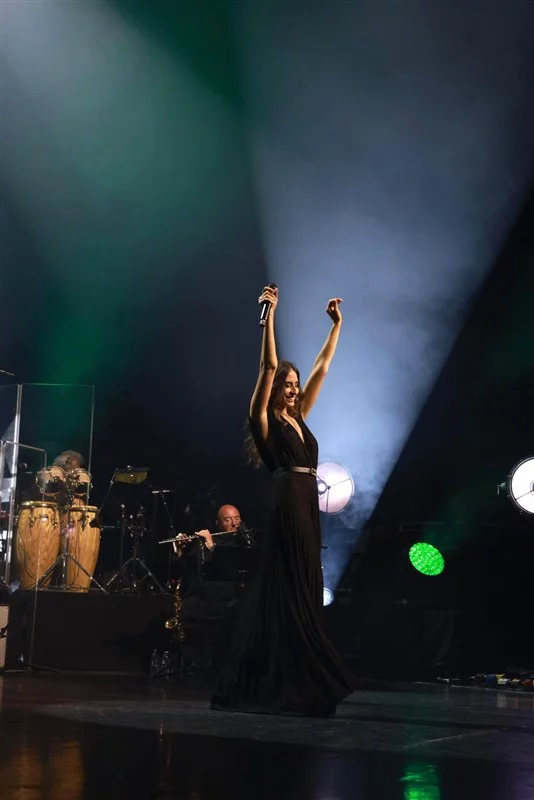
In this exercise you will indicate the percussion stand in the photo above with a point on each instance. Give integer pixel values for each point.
(64, 557)
(133, 585)
(123, 529)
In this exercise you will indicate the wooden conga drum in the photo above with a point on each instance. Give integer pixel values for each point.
(37, 541)
(83, 543)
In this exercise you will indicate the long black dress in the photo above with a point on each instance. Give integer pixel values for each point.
(281, 660)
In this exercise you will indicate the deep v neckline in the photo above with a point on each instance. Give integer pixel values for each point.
(294, 426)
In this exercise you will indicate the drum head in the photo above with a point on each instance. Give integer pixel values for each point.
(521, 485)
(37, 504)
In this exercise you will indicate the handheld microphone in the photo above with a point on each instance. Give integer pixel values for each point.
(266, 308)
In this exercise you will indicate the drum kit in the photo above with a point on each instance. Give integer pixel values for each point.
(61, 530)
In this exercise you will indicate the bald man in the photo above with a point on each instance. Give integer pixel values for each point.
(228, 519)
(214, 578)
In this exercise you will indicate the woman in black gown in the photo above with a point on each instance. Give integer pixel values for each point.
(281, 660)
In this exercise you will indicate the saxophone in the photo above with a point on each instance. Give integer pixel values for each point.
(174, 624)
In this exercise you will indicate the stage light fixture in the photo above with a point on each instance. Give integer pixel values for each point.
(328, 596)
(334, 486)
(321, 487)
(521, 485)
(426, 558)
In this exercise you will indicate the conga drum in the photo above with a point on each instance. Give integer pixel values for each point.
(83, 542)
(37, 541)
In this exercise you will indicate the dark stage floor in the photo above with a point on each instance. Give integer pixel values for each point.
(68, 737)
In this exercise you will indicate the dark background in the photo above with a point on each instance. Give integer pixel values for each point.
(178, 361)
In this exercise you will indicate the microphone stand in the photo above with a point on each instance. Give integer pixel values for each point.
(123, 534)
(172, 530)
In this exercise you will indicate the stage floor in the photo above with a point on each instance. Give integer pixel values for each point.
(65, 737)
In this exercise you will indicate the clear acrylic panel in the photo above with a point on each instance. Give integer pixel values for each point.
(10, 399)
(42, 429)
(58, 418)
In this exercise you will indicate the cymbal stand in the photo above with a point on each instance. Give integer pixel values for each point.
(133, 584)
(66, 555)
(108, 492)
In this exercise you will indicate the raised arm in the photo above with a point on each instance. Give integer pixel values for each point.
(311, 390)
(268, 364)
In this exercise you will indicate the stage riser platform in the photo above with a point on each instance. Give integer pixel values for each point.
(91, 632)
(98, 632)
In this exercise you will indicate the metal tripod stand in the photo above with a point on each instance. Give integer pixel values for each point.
(128, 574)
(65, 557)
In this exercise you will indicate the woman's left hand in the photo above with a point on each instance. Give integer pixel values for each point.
(332, 309)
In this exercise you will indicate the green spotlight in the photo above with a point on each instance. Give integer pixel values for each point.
(426, 558)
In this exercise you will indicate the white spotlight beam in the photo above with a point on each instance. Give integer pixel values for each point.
(110, 141)
(389, 170)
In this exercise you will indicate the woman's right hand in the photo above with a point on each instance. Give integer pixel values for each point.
(269, 295)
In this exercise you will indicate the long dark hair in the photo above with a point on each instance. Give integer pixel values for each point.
(276, 403)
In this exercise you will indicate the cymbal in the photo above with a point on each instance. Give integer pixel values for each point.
(132, 475)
